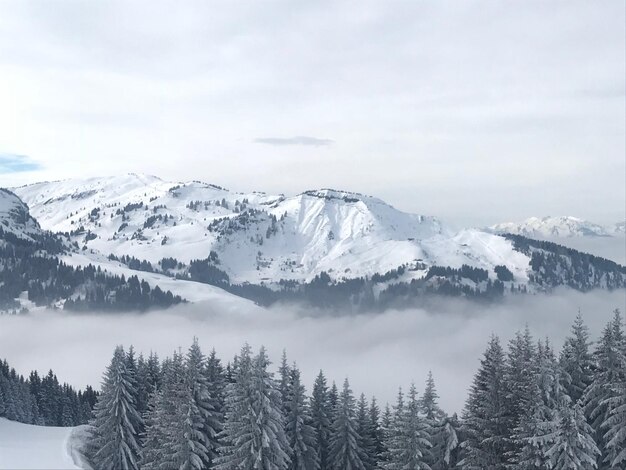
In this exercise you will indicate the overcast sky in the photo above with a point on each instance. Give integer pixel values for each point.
(473, 111)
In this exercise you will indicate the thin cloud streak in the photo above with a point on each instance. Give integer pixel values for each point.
(297, 140)
(11, 163)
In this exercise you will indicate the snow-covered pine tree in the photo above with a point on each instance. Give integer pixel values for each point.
(320, 418)
(333, 399)
(614, 426)
(532, 435)
(154, 372)
(253, 436)
(444, 437)
(576, 360)
(409, 447)
(345, 452)
(485, 418)
(284, 378)
(217, 390)
(376, 431)
(386, 429)
(131, 366)
(521, 388)
(572, 441)
(600, 397)
(429, 405)
(113, 438)
(364, 428)
(143, 385)
(200, 418)
(165, 442)
(446, 444)
(300, 433)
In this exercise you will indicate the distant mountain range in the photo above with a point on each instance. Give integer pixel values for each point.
(564, 227)
(325, 247)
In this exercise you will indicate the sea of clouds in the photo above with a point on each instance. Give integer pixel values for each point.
(377, 352)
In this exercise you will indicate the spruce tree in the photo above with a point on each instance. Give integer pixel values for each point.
(345, 452)
(364, 428)
(485, 420)
(532, 435)
(376, 431)
(572, 445)
(444, 436)
(165, 445)
(298, 429)
(602, 395)
(113, 437)
(614, 425)
(321, 419)
(216, 379)
(429, 405)
(254, 436)
(409, 447)
(576, 360)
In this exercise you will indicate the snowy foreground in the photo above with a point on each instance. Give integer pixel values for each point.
(24, 446)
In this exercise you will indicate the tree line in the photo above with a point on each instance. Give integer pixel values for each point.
(528, 408)
(43, 400)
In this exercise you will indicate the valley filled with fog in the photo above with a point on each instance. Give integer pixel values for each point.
(378, 352)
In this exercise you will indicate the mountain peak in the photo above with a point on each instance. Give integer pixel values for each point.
(552, 226)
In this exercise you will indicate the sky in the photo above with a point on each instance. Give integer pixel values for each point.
(477, 112)
(378, 352)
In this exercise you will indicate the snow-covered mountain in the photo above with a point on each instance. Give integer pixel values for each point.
(258, 237)
(15, 217)
(546, 227)
(619, 228)
(326, 247)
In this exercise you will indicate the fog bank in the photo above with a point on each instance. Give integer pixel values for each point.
(378, 352)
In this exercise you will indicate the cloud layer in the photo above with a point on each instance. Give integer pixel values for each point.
(377, 352)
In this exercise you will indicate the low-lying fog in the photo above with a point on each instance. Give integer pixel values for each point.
(378, 352)
(613, 248)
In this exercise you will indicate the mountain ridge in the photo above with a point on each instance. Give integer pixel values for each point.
(323, 245)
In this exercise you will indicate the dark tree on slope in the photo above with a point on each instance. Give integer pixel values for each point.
(300, 433)
(114, 441)
(321, 419)
(485, 418)
(345, 451)
(364, 428)
(216, 379)
(376, 431)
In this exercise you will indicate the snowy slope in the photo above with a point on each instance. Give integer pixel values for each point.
(188, 290)
(24, 446)
(15, 217)
(263, 239)
(258, 237)
(544, 227)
